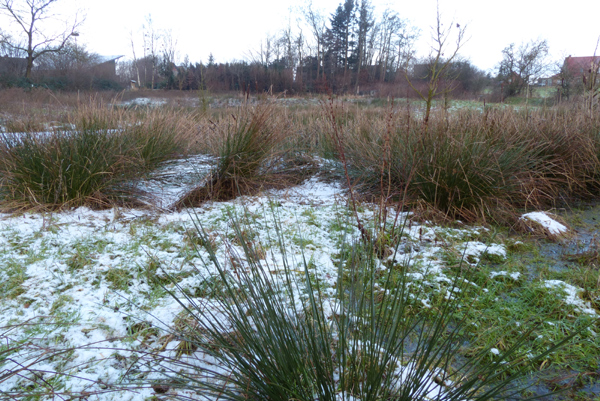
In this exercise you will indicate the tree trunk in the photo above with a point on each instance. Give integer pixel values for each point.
(29, 66)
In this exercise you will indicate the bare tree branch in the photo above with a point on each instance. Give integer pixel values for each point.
(439, 62)
(28, 15)
(521, 66)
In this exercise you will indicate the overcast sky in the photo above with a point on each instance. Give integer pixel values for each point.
(231, 29)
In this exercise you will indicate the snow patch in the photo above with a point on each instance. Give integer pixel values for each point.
(473, 251)
(145, 101)
(553, 226)
(515, 275)
(572, 297)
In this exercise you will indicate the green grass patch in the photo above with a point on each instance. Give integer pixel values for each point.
(505, 312)
(347, 339)
(118, 278)
(63, 301)
(79, 260)
(14, 274)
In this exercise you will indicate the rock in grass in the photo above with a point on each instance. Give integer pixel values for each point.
(160, 388)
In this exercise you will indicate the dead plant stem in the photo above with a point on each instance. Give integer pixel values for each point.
(339, 144)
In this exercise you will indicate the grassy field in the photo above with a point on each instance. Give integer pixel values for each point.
(306, 249)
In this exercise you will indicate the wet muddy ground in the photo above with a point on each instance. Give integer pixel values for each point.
(578, 252)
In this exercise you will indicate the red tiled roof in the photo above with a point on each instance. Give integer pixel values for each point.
(578, 65)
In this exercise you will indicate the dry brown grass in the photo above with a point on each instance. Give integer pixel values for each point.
(467, 164)
(472, 165)
(38, 109)
(258, 148)
(246, 143)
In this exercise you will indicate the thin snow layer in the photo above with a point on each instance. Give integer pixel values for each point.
(572, 296)
(474, 250)
(174, 178)
(553, 226)
(145, 101)
(83, 275)
(515, 275)
(82, 279)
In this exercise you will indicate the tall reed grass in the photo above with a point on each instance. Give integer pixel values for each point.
(246, 156)
(466, 164)
(93, 162)
(473, 165)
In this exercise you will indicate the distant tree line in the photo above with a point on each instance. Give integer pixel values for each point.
(353, 50)
(37, 50)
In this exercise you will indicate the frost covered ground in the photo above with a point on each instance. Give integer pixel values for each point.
(82, 280)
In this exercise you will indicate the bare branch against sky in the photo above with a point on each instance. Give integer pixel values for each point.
(35, 29)
(235, 29)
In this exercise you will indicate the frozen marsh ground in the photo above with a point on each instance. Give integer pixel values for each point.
(85, 281)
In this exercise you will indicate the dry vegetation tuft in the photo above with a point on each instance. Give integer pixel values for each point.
(468, 164)
(248, 154)
(93, 159)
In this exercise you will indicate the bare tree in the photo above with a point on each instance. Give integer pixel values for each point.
(151, 38)
(182, 75)
(300, 50)
(167, 69)
(264, 53)
(440, 59)
(520, 66)
(75, 65)
(288, 44)
(168, 46)
(365, 23)
(564, 78)
(135, 60)
(8, 48)
(70, 59)
(34, 38)
(157, 44)
(390, 44)
(390, 27)
(372, 45)
(405, 44)
(318, 26)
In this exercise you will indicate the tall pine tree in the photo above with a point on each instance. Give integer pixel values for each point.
(340, 38)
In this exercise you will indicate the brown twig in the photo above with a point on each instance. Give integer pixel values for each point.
(336, 136)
